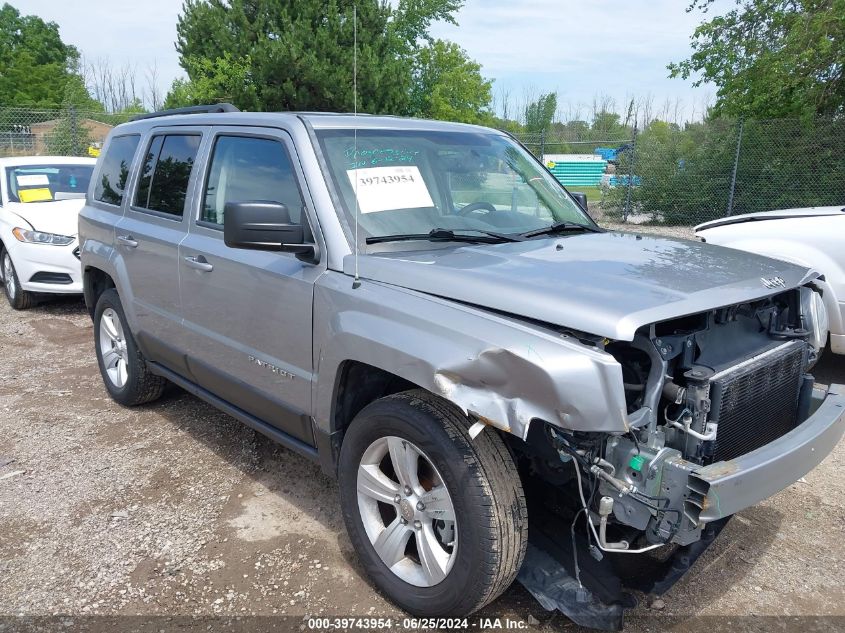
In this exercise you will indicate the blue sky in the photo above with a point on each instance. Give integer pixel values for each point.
(580, 49)
(618, 48)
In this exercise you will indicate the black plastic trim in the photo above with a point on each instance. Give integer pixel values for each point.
(328, 448)
(215, 108)
(712, 224)
(288, 441)
(170, 356)
(43, 277)
(243, 395)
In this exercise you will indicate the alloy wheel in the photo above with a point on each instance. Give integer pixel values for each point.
(9, 277)
(407, 512)
(113, 348)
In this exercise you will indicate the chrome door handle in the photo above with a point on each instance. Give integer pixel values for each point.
(198, 262)
(127, 240)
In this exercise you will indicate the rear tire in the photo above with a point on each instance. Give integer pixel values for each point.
(18, 298)
(490, 530)
(122, 366)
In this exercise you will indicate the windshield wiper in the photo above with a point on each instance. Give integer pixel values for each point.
(448, 235)
(561, 227)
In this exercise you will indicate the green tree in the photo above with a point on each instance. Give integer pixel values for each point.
(786, 164)
(540, 113)
(681, 176)
(607, 126)
(71, 136)
(684, 176)
(506, 125)
(36, 67)
(218, 80)
(448, 85)
(573, 130)
(771, 58)
(297, 55)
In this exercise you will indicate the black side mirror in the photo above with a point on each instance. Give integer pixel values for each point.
(263, 226)
(581, 199)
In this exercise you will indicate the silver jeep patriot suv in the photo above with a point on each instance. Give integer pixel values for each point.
(502, 388)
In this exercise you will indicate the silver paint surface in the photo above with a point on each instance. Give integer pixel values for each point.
(607, 284)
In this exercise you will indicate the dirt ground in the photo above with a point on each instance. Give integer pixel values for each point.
(175, 509)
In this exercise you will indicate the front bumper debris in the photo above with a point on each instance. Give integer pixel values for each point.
(603, 596)
(726, 487)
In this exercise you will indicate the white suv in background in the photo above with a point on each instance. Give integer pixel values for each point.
(40, 200)
(808, 236)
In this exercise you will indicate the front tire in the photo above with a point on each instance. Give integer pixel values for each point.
(18, 298)
(122, 366)
(439, 520)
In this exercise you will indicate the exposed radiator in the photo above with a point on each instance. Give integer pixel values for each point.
(756, 402)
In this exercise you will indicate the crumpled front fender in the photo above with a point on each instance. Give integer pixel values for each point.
(501, 370)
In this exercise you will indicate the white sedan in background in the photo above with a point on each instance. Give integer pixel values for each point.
(40, 200)
(813, 237)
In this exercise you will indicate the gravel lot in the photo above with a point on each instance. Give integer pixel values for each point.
(175, 509)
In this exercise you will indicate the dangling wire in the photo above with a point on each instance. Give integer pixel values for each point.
(357, 282)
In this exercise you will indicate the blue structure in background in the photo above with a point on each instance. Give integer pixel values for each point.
(622, 180)
(607, 153)
(589, 170)
(611, 154)
(577, 170)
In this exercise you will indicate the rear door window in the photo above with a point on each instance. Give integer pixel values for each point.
(163, 185)
(114, 170)
(245, 169)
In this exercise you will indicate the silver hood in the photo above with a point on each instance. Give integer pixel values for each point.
(607, 284)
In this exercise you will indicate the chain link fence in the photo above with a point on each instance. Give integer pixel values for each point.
(62, 132)
(669, 175)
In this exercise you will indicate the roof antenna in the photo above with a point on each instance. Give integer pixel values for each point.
(357, 283)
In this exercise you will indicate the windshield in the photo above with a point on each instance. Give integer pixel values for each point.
(413, 182)
(45, 183)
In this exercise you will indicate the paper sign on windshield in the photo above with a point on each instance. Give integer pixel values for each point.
(390, 188)
(35, 195)
(32, 180)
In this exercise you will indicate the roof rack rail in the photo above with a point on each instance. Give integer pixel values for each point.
(200, 109)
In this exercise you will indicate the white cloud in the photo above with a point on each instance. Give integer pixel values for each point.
(135, 32)
(579, 48)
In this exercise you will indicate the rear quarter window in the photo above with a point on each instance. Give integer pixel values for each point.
(114, 171)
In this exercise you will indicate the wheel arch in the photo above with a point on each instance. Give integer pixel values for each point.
(94, 283)
(356, 385)
(3, 248)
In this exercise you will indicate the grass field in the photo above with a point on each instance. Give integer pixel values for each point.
(593, 193)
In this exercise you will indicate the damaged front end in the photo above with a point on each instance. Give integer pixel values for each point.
(721, 413)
